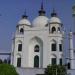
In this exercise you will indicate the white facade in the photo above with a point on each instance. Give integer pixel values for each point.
(36, 40)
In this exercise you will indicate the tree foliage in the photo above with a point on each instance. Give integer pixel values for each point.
(6, 69)
(1, 61)
(55, 70)
(5, 61)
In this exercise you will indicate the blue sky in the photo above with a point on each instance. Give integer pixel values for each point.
(12, 10)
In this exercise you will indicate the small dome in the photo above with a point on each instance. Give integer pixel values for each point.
(40, 21)
(24, 21)
(55, 20)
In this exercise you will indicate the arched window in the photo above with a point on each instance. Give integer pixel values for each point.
(60, 61)
(60, 47)
(58, 28)
(22, 30)
(36, 48)
(53, 47)
(19, 62)
(54, 61)
(68, 65)
(53, 29)
(19, 47)
(36, 61)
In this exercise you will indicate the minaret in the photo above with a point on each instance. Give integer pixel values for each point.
(71, 50)
(73, 14)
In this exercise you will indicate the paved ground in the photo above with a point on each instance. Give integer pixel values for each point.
(30, 71)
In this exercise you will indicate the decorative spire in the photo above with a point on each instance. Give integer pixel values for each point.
(41, 11)
(42, 5)
(24, 15)
(53, 14)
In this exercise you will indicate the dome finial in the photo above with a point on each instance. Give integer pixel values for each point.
(41, 11)
(53, 14)
(42, 5)
(24, 15)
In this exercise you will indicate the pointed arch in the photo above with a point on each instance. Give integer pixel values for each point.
(53, 29)
(19, 41)
(53, 59)
(35, 45)
(36, 38)
(53, 45)
(36, 48)
(18, 60)
(21, 30)
(53, 41)
(58, 28)
(19, 45)
(36, 61)
(53, 55)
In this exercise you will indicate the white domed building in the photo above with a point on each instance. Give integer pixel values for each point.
(38, 44)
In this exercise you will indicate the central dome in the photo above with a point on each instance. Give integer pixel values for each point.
(40, 21)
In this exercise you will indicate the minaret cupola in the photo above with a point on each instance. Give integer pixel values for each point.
(24, 20)
(54, 17)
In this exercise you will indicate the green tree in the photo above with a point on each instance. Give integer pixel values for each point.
(1, 61)
(5, 61)
(6, 69)
(55, 70)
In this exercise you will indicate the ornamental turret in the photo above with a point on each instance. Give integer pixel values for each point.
(55, 23)
(23, 24)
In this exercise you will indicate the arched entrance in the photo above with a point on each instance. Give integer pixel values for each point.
(36, 61)
(36, 52)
